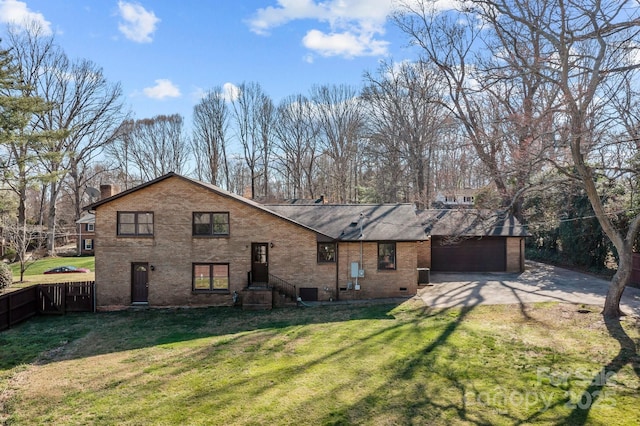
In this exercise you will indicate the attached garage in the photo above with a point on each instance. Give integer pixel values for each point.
(474, 254)
(468, 240)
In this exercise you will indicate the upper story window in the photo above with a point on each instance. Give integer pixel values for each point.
(211, 223)
(135, 224)
(326, 252)
(91, 227)
(386, 256)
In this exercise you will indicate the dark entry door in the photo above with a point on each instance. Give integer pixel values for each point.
(260, 262)
(139, 283)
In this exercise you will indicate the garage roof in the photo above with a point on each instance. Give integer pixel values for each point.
(470, 223)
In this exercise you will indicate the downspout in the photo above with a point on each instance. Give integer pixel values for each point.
(337, 271)
(361, 238)
(79, 240)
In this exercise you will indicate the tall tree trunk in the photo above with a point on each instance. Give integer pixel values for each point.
(617, 286)
(51, 219)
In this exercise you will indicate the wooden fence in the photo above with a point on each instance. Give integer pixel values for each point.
(46, 299)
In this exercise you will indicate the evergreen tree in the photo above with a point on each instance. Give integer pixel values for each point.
(21, 145)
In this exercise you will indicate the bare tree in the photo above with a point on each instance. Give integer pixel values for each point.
(296, 132)
(341, 121)
(579, 50)
(406, 123)
(26, 240)
(210, 126)
(253, 117)
(505, 114)
(152, 147)
(266, 120)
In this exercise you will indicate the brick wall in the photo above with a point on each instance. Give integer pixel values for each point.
(377, 283)
(424, 254)
(172, 250)
(515, 254)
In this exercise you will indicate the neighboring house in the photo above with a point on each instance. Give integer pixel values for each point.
(86, 233)
(175, 241)
(87, 223)
(462, 197)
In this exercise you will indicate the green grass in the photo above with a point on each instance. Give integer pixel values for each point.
(41, 265)
(35, 271)
(370, 364)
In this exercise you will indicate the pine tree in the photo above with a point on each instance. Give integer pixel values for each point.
(19, 142)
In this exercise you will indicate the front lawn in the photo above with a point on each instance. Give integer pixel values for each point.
(338, 364)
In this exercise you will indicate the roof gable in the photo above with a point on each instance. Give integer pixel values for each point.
(213, 188)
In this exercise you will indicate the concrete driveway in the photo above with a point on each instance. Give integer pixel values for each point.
(539, 283)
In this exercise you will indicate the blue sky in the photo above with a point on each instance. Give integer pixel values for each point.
(166, 54)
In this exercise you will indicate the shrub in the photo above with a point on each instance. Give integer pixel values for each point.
(6, 278)
(10, 254)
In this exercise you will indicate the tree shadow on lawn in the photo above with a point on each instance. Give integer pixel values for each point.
(411, 409)
(47, 339)
(596, 391)
(121, 331)
(214, 394)
(257, 332)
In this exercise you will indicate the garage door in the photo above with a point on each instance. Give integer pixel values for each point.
(487, 254)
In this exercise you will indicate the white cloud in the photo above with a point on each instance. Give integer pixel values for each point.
(139, 24)
(230, 92)
(163, 89)
(288, 10)
(353, 25)
(17, 12)
(344, 44)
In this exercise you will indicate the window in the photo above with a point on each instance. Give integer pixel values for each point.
(210, 277)
(91, 227)
(88, 244)
(326, 252)
(135, 223)
(386, 256)
(211, 224)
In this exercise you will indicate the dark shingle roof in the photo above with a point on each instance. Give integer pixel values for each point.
(370, 222)
(344, 221)
(470, 223)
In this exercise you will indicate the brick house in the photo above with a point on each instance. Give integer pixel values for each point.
(86, 234)
(86, 225)
(175, 241)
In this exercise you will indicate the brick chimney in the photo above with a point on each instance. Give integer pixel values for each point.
(107, 191)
